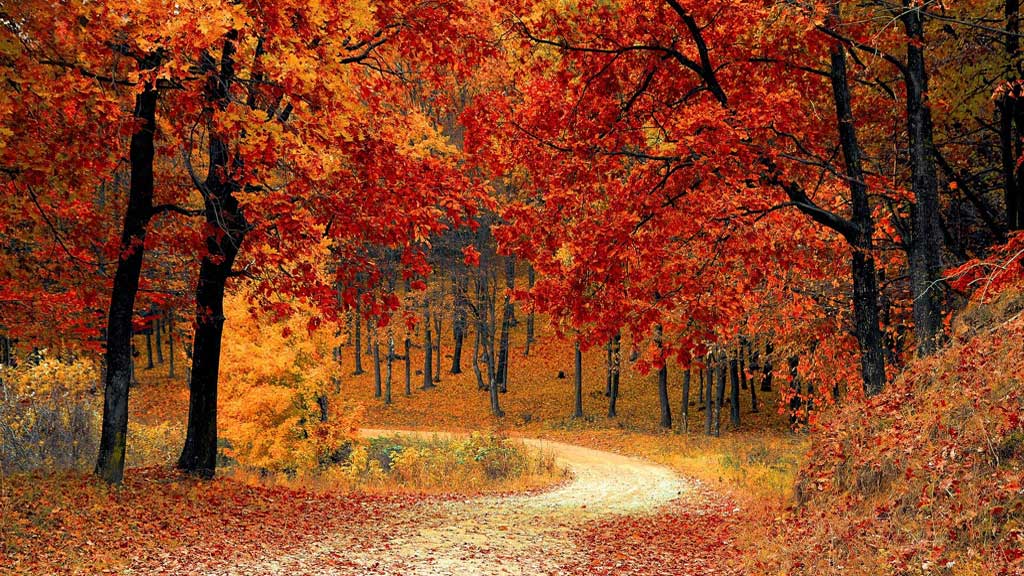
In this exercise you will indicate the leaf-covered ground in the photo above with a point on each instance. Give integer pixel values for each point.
(618, 515)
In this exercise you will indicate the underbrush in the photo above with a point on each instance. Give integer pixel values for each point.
(475, 464)
(48, 415)
(755, 467)
(925, 478)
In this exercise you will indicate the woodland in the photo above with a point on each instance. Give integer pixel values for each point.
(511, 287)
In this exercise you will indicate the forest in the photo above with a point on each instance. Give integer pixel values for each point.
(459, 287)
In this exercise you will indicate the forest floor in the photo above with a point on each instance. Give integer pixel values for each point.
(565, 530)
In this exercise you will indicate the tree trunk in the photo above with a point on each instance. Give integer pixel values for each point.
(865, 282)
(428, 350)
(170, 343)
(118, 376)
(578, 383)
(506, 324)
(459, 323)
(734, 392)
(926, 245)
(753, 397)
(766, 369)
(158, 333)
(228, 227)
(531, 278)
(480, 384)
(437, 347)
(149, 348)
(709, 394)
(391, 360)
(1011, 113)
(358, 343)
(720, 395)
(408, 366)
(375, 348)
(663, 401)
(489, 361)
(684, 411)
(616, 366)
(608, 370)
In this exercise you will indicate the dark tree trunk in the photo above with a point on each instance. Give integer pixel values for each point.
(709, 394)
(578, 383)
(118, 376)
(480, 383)
(700, 393)
(358, 343)
(375, 348)
(1011, 115)
(459, 323)
(926, 245)
(170, 343)
(428, 350)
(228, 226)
(391, 360)
(720, 395)
(684, 410)
(865, 281)
(753, 397)
(506, 324)
(531, 278)
(437, 347)
(742, 368)
(616, 366)
(408, 366)
(487, 341)
(158, 335)
(608, 370)
(734, 392)
(149, 349)
(663, 400)
(766, 369)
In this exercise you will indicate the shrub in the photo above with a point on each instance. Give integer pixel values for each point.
(48, 415)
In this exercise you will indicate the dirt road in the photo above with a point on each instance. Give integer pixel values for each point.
(506, 535)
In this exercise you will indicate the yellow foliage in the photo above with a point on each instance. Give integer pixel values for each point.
(275, 376)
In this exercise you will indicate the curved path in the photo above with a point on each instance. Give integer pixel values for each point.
(498, 535)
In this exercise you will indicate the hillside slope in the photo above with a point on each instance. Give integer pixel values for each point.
(927, 477)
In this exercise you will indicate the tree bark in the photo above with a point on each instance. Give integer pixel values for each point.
(459, 324)
(766, 369)
(228, 226)
(158, 334)
(531, 278)
(170, 343)
(358, 343)
(408, 366)
(149, 348)
(375, 348)
(506, 324)
(428, 350)
(578, 383)
(613, 396)
(438, 322)
(663, 400)
(684, 409)
(118, 375)
(720, 396)
(926, 245)
(391, 360)
(734, 392)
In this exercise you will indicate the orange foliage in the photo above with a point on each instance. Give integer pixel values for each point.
(931, 482)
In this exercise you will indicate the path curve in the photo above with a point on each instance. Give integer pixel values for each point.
(527, 534)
